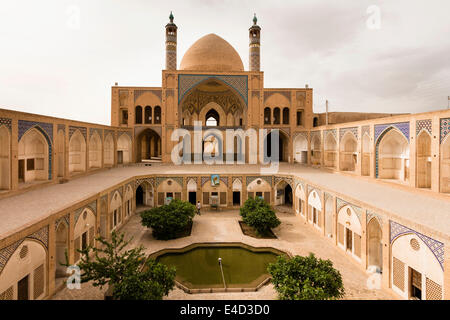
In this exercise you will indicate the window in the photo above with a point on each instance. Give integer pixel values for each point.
(138, 115)
(299, 118)
(30, 164)
(267, 116)
(157, 114)
(416, 284)
(286, 116)
(148, 115)
(124, 116)
(276, 116)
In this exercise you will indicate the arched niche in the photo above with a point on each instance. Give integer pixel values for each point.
(108, 150)
(61, 151)
(124, 147)
(95, 151)
(77, 153)
(301, 149)
(259, 188)
(393, 155)
(365, 154)
(84, 231)
(330, 151)
(348, 156)
(374, 243)
(61, 248)
(284, 194)
(423, 160)
(5, 158)
(315, 209)
(33, 156)
(300, 198)
(349, 231)
(24, 276)
(445, 165)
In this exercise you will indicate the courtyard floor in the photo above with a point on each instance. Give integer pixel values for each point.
(294, 236)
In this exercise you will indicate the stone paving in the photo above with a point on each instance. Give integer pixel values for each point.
(294, 236)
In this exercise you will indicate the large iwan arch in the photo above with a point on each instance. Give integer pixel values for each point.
(34, 162)
(392, 155)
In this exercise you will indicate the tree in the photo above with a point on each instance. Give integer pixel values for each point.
(306, 278)
(169, 221)
(130, 275)
(259, 215)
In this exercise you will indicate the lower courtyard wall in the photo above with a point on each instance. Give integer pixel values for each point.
(407, 258)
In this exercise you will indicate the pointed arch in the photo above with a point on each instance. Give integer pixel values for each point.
(392, 155)
(61, 152)
(108, 150)
(95, 151)
(348, 150)
(77, 153)
(374, 243)
(34, 155)
(365, 154)
(124, 147)
(330, 151)
(423, 160)
(301, 149)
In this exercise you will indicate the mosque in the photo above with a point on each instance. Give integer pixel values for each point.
(376, 186)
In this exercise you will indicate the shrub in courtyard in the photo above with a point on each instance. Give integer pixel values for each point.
(127, 272)
(169, 221)
(306, 278)
(259, 214)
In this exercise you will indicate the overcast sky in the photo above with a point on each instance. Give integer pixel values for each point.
(60, 58)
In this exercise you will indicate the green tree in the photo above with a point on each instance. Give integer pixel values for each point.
(169, 221)
(306, 278)
(130, 275)
(259, 214)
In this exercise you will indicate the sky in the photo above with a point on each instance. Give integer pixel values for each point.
(60, 58)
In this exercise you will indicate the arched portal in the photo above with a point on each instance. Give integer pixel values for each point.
(348, 156)
(349, 231)
(259, 188)
(393, 155)
(5, 151)
(315, 209)
(62, 247)
(267, 116)
(95, 151)
(280, 148)
(301, 149)
(138, 115)
(365, 154)
(24, 276)
(283, 194)
(423, 164)
(374, 244)
(33, 156)
(144, 195)
(445, 165)
(316, 152)
(148, 115)
(77, 153)
(212, 118)
(329, 217)
(286, 115)
(84, 232)
(108, 150)
(330, 151)
(300, 198)
(148, 145)
(124, 149)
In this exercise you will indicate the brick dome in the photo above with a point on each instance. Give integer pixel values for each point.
(211, 53)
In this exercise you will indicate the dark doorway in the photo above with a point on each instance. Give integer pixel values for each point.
(139, 196)
(416, 284)
(236, 198)
(22, 289)
(84, 240)
(349, 239)
(22, 170)
(193, 197)
(276, 148)
(119, 157)
(288, 195)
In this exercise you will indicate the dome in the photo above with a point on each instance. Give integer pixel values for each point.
(211, 53)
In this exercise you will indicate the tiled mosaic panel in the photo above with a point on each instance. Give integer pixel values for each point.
(72, 130)
(250, 179)
(365, 129)
(6, 122)
(151, 181)
(353, 130)
(47, 131)
(311, 188)
(403, 127)
(64, 218)
(305, 134)
(62, 127)
(437, 247)
(332, 131)
(423, 124)
(128, 133)
(315, 134)
(92, 130)
(341, 203)
(370, 215)
(179, 180)
(188, 81)
(288, 180)
(434, 290)
(445, 128)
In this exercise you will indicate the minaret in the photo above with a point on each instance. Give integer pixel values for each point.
(171, 44)
(254, 46)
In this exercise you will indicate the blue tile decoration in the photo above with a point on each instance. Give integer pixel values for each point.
(47, 131)
(224, 180)
(6, 122)
(445, 128)
(186, 82)
(380, 132)
(423, 125)
(403, 127)
(353, 130)
(65, 219)
(397, 230)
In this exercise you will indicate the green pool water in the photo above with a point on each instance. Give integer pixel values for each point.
(199, 267)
